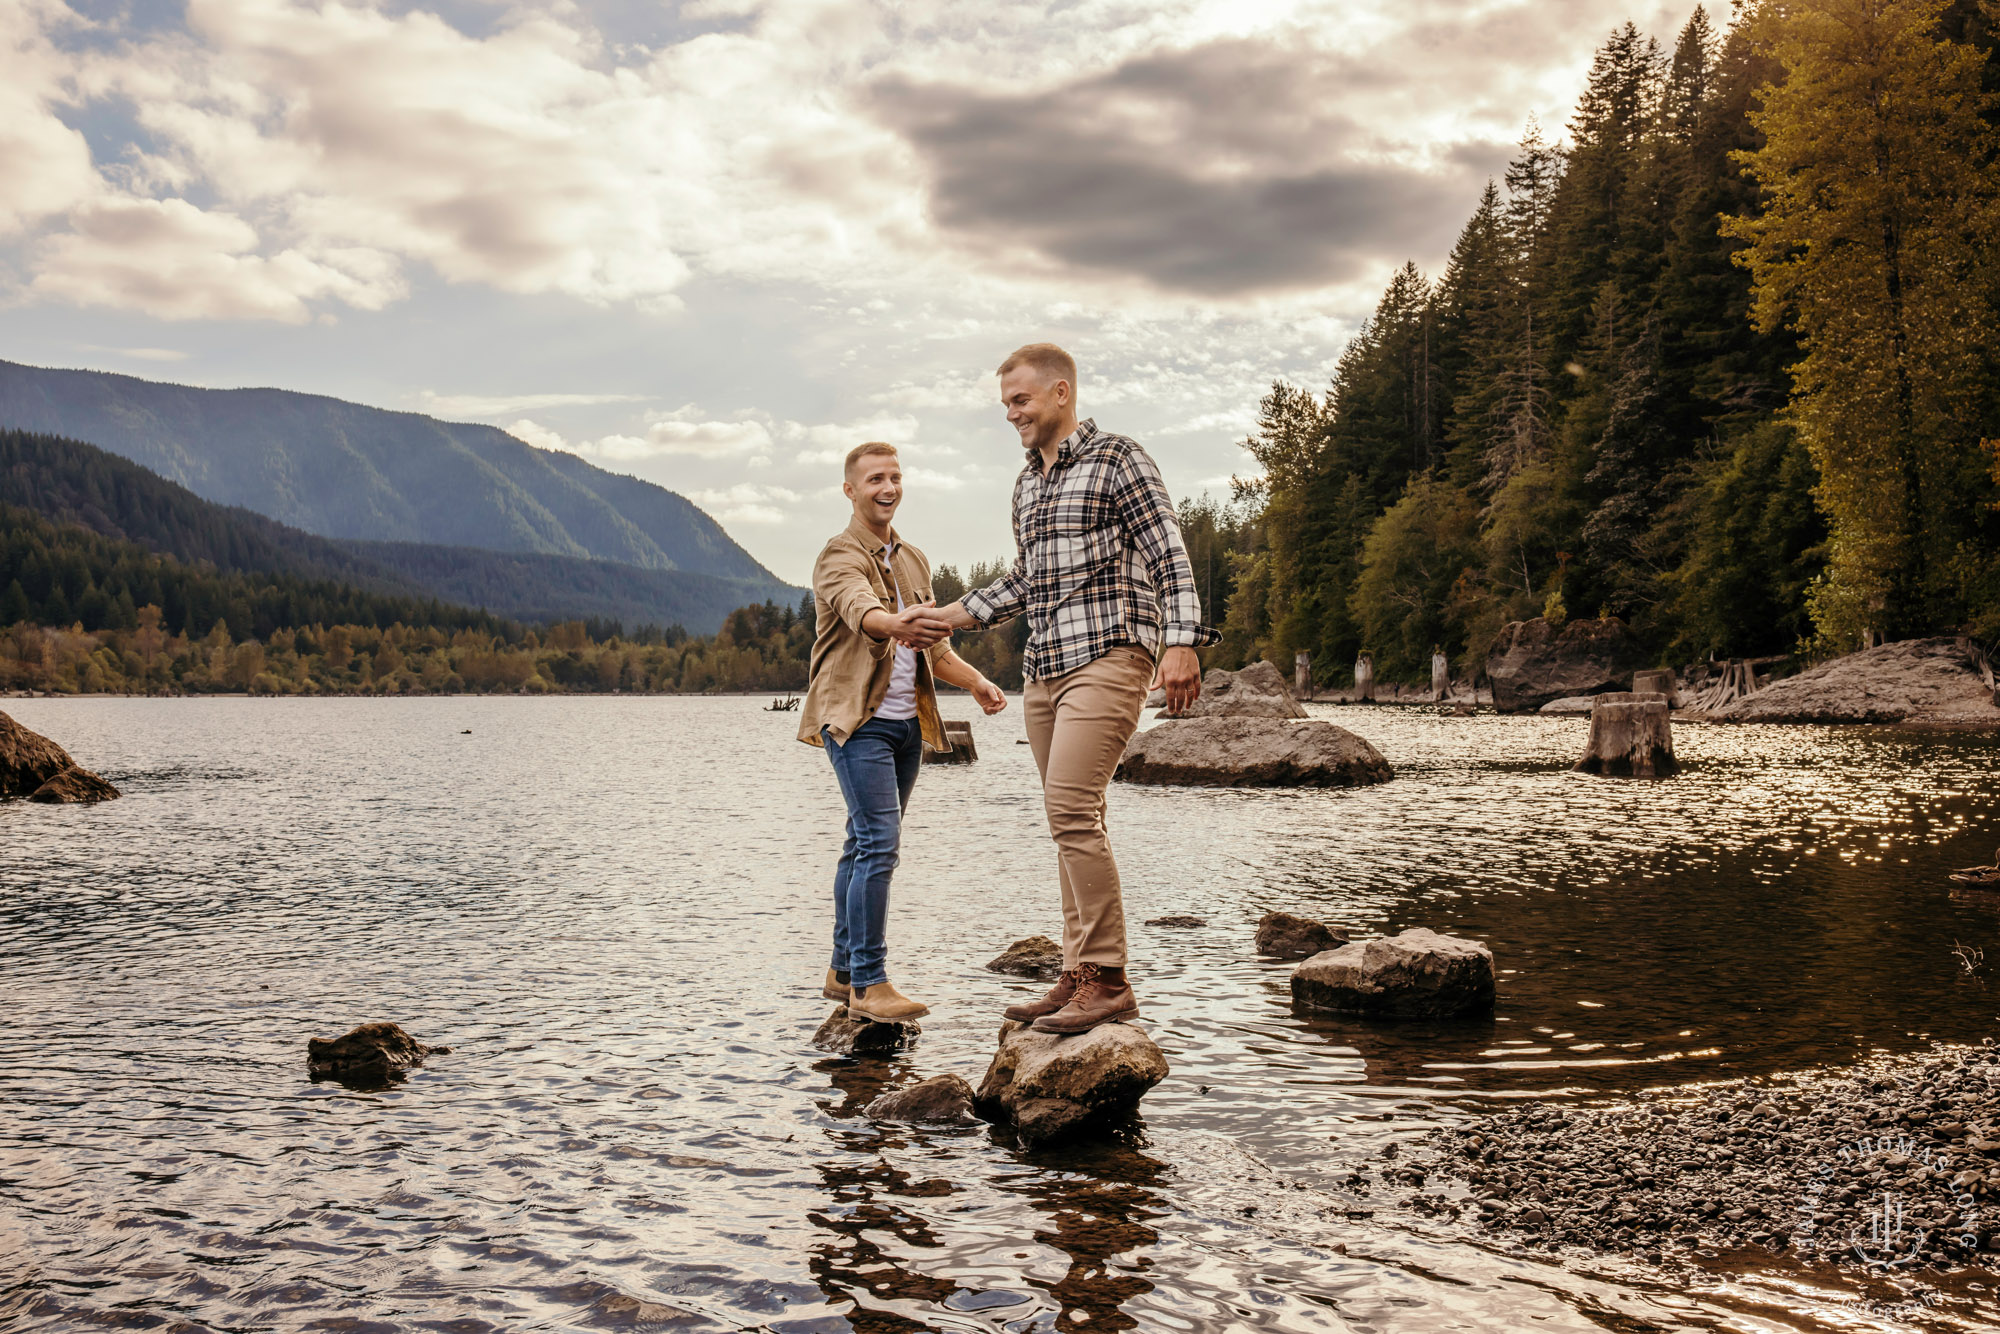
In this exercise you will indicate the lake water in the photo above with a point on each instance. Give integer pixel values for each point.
(615, 911)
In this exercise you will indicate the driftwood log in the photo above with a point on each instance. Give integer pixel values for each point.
(1630, 737)
(962, 751)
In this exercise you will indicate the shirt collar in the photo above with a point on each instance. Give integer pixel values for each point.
(1071, 445)
(870, 543)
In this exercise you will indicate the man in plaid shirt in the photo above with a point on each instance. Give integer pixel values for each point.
(1104, 580)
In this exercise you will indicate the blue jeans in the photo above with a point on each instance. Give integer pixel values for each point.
(877, 767)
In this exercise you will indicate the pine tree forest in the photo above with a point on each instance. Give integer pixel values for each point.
(1718, 361)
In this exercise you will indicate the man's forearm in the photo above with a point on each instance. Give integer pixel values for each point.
(956, 671)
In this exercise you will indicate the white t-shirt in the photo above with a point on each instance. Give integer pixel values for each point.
(901, 701)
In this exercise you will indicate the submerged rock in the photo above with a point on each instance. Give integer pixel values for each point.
(1179, 919)
(1937, 681)
(846, 1034)
(1280, 935)
(1251, 752)
(940, 1098)
(372, 1052)
(1533, 662)
(1414, 974)
(1036, 957)
(1569, 704)
(74, 785)
(1258, 691)
(29, 762)
(1049, 1085)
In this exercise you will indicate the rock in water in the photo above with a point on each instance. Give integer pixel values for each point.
(1416, 974)
(1251, 752)
(1048, 1085)
(1258, 691)
(942, 1098)
(1037, 957)
(74, 785)
(1178, 919)
(1532, 662)
(1280, 935)
(844, 1034)
(1630, 737)
(27, 759)
(1916, 680)
(372, 1053)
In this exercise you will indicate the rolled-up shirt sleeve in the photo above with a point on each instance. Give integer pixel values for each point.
(1147, 512)
(839, 579)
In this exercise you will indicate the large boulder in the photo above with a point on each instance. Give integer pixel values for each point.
(1035, 957)
(1937, 681)
(1533, 662)
(1416, 974)
(73, 785)
(1251, 752)
(372, 1053)
(846, 1034)
(1048, 1085)
(1281, 935)
(1258, 691)
(27, 759)
(941, 1098)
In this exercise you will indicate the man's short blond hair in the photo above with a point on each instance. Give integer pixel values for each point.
(1047, 358)
(860, 452)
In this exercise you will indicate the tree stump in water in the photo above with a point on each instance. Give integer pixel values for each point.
(1630, 737)
(1364, 678)
(962, 751)
(1660, 682)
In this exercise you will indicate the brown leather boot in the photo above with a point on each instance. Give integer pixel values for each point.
(1102, 997)
(884, 1004)
(1056, 997)
(835, 989)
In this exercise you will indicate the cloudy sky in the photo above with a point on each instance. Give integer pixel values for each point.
(716, 243)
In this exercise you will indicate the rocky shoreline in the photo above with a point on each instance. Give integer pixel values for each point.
(1890, 1167)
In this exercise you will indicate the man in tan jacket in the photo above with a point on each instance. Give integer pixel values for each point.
(872, 704)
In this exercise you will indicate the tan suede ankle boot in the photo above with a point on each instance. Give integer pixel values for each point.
(835, 989)
(884, 1004)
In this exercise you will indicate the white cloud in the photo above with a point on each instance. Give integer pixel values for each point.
(480, 405)
(675, 433)
(139, 353)
(170, 259)
(746, 503)
(45, 165)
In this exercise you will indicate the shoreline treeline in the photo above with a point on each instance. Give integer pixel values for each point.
(1722, 365)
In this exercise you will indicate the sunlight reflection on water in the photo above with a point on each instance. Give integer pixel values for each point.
(614, 911)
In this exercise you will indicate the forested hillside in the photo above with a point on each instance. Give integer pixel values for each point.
(1721, 363)
(75, 483)
(345, 470)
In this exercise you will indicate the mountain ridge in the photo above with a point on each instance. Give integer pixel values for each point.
(350, 471)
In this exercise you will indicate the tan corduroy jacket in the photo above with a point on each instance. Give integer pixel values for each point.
(850, 670)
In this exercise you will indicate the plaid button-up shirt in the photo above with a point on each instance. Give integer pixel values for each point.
(1099, 562)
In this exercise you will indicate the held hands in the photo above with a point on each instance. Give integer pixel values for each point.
(1179, 675)
(915, 627)
(955, 617)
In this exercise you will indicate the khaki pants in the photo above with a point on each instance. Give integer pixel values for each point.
(1078, 726)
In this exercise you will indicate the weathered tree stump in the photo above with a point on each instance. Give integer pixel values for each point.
(1660, 682)
(962, 751)
(1364, 678)
(1630, 737)
(1440, 676)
